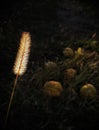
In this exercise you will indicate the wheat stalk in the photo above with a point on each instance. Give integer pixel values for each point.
(20, 64)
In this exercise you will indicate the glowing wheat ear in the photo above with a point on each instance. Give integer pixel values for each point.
(23, 54)
(20, 64)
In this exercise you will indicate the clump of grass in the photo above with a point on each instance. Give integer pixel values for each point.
(85, 63)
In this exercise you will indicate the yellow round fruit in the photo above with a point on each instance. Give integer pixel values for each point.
(69, 74)
(88, 90)
(51, 71)
(68, 52)
(53, 88)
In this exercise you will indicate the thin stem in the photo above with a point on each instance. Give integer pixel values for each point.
(11, 98)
